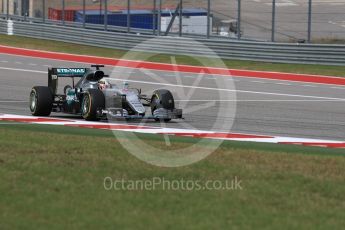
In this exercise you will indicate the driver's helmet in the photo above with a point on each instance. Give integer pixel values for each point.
(103, 84)
(125, 86)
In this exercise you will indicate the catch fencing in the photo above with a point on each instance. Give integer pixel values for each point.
(310, 21)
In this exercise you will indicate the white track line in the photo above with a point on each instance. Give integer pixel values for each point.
(337, 87)
(239, 100)
(229, 90)
(175, 131)
(24, 70)
(278, 83)
(13, 101)
(197, 87)
(310, 86)
(260, 82)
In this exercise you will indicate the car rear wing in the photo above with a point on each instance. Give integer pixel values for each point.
(55, 73)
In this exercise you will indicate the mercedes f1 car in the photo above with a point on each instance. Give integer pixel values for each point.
(94, 98)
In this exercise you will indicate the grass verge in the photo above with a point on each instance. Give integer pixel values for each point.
(45, 184)
(24, 42)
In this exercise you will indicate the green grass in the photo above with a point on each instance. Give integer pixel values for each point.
(329, 40)
(45, 184)
(40, 44)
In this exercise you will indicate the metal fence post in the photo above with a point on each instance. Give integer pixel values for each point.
(63, 12)
(180, 18)
(84, 13)
(208, 18)
(105, 14)
(128, 16)
(273, 19)
(8, 9)
(44, 10)
(160, 18)
(100, 8)
(309, 20)
(238, 19)
(25, 10)
(154, 17)
(171, 23)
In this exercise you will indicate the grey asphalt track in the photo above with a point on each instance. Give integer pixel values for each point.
(218, 103)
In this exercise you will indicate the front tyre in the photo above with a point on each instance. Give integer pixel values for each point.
(93, 101)
(162, 98)
(41, 101)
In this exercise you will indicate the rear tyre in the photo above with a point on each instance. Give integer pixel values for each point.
(93, 101)
(41, 101)
(162, 98)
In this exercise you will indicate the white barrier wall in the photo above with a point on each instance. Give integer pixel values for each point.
(9, 27)
(190, 25)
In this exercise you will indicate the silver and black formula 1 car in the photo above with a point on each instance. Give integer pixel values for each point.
(94, 98)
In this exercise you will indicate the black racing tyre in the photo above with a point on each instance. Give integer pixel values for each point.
(41, 101)
(92, 101)
(162, 98)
